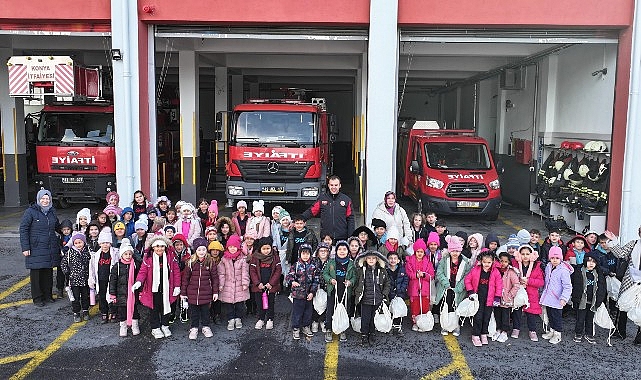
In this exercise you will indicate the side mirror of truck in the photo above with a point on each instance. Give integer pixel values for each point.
(499, 167)
(333, 125)
(415, 168)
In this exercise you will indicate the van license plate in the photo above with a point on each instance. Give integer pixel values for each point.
(72, 180)
(468, 204)
(273, 189)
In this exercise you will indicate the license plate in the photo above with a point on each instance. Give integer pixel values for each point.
(72, 180)
(468, 204)
(273, 189)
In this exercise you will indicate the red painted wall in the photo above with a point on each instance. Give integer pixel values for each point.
(56, 11)
(561, 13)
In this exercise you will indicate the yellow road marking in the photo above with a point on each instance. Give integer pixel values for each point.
(17, 358)
(43, 355)
(14, 288)
(458, 364)
(12, 304)
(331, 360)
(509, 223)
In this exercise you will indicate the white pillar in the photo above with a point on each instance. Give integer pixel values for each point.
(124, 36)
(236, 90)
(382, 104)
(189, 125)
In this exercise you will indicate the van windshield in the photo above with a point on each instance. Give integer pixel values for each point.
(451, 155)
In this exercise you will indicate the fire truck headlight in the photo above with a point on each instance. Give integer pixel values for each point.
(435, 183)
(495, 185)
(235, 190)
(310, 191)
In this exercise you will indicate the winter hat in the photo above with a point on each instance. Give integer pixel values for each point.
(264, 241)
(66, 223)
(151, 210)
(370, 233)
(240, 204)
(215, 245)
(586, 246)
(169, 227)
(342, 242)
(251, 234)
(258, 206)
(84, 212)
(285, 215)
(433, 238)
(591, 255)
(378, 223)
(524, 236)
(453, 244)
(213, 206)
(462, 234)
(209, 229)
(141, 223)
(513, 241)
(125, 246)
(277, 209)
(80, 236)
(114, 195)
(419, 244)
(159, 222)
(322, 244)
(199, 242)
(159, 241)
(188, 206)
(179, 237)
(119, 226)
(555, 251)
(392, 233)
(233, 241)
(380, 259)
(179, 204)
(305, 247)
(126, 210)
(105, 237)
(491, 238)
(162, 198)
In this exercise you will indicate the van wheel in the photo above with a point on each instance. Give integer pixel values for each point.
(419, 205)
(62, 203)
(492, 217)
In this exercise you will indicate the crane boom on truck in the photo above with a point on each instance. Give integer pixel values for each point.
(74, 138)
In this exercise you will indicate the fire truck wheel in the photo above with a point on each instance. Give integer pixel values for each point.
(63, 203)
(492, 217)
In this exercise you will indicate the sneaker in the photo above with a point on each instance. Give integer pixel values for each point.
(217, 320)
(172, 318)
(476, 341)
(414, 328)
(157, 333)
(556, 338)
(329, 337)
(238, 323)
(114, 318)
(123, 329)
(495, 337)
(85, 315)
(548, 335)
(457, 331)
(230, 325)
(314, 327)
(166, 331)
(323, 329)
(400, 332)
(296, 334)
(259, 324)
(590, 339)
(193, 333)
(444, 332)
(502, 337)
(308, 332)
(135, 328)
(364, 340)
(484, 340)
(207, 332)
(533, 336)
(342, 337)
(105, 318)
(578, 338)
(515, 333)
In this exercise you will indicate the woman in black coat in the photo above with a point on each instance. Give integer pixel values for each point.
(40, 246)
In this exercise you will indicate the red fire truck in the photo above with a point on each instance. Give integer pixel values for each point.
(279, 150)
(450, 172)
(74, 131)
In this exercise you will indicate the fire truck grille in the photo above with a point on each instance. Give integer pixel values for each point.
(74, 167)
(466, 190)
(273, 171)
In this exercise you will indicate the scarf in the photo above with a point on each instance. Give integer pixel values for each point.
(390, 209)
(155, 285)
(341, 266)
(232, 256)
(390, 247)
(131, 300)
(601, 249)
(44, 210)
(579, 256)
(264, 259)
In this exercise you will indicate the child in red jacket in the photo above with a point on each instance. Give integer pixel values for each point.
(484, 283)
(265, 271)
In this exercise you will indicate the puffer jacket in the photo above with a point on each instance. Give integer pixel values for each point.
(75, 265)
(372, 284)
(306, 276)
(511, 284)
(558, 285)
(398, 288)
(199, 282)
(233, 275)
(118, 282)
(274, 279)
(443, 278)
(262, 226)
(579, 289)
(419, 286)
(195, 229)
(336, 214)
(38, 235)
(495, 287)
(535, 282)
(329, 274)
(146, 277)
(398, 219)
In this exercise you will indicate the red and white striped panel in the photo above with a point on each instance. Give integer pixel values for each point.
(64, 84)
(18, 84)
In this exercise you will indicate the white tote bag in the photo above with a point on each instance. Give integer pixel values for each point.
(383, 319)
(449, 320)
(630, 298)
(424, 322)
(340, 319)
(602, 319)
(521, 299)
(491, 328)
(356, 324)
(320, 301)
(614, 287)
(398, 308)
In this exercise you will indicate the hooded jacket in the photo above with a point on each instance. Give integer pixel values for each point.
(398, 287)
(558, 285)
(118, 282)
(146, 277)
(233, 275)
(419, 286)
(511, 280)
(545, 250)
(534, 283)
(329, 274)
(495, 287)
(199, 282)
(443, 278)
(579, 289)
(372, 285)
(305, 274)
(398, 218)
(275, 269)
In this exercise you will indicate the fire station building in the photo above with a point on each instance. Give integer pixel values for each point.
(527, 76)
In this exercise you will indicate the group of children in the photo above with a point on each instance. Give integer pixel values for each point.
(218, 267)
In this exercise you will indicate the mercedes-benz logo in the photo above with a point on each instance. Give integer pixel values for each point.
(272, 167)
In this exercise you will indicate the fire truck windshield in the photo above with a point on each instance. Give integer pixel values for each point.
(451, 155)
(275, 128)
(76, 128)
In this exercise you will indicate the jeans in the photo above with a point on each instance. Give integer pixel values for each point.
(482, 319)
(531, 319)
(156, 316)
(199, 314)
(584, 320)
(502, 317)
(81, 301)
(122, 313)
(41, 284)
(555, 316)
(301, 313)
(367, 318)
(263, 314)
(235, 310)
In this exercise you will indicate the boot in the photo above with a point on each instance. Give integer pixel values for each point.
(135, 329)
(637, 339)
(548, 335)
(123, 328)
(556, 338)
(85, 315)
(364, 340)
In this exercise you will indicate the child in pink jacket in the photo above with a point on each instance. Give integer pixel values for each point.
(233, 279)
(526, 261)
(420, 271)
(259, 223)
(484, 283)
(511, 284)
